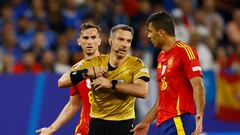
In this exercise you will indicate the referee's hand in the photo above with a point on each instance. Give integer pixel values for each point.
(95, 72)
(101, 82)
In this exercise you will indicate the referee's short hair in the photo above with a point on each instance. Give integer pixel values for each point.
(162, 20)
(122, 27)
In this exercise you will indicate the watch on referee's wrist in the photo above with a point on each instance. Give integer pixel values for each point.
(114, 83)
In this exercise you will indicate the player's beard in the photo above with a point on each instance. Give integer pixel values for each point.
(158, 44)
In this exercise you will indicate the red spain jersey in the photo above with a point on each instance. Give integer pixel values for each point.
(84, 90)
(175, 69)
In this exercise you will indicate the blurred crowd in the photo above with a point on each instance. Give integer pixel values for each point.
(40, 35)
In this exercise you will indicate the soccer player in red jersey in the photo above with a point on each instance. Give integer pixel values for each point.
(89, 40)
(180, 82)
(83, 90)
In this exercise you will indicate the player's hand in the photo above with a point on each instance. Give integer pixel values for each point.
(45, 131)
(101, 82)
(199, 125)
(95, 72)
(141, 129)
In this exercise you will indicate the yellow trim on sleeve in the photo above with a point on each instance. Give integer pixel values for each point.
(188, 50)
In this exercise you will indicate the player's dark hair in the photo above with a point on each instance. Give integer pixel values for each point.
(162, 20)
(86, 26)
(122, 27)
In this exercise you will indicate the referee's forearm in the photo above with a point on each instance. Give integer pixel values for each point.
(135, 90)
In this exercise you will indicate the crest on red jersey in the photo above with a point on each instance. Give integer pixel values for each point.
(170, 63)
(159, 65)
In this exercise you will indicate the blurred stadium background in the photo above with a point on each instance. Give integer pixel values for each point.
(38, 44)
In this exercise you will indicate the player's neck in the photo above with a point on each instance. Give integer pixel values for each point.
(115, 61)
(87, 56)
(169, 43)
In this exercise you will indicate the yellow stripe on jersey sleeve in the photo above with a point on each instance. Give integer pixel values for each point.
(188, 50)
(189, 56)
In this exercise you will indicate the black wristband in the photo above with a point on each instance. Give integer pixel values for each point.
(85, 72)
(114, 83)
(76, 76)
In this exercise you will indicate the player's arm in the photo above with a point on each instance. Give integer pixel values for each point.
(70, 78)
(143, 126)
(193, 70)
(199, 95)
(67, 113)
(65, 80)
(151, 115)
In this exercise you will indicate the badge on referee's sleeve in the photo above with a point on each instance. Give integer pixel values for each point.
(144, 70)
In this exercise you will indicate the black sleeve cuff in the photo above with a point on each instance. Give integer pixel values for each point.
(144, 78)
(76, 76)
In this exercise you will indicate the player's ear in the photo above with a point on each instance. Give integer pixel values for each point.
(162, 33)
(100, 41)
(79, 38)
(79, 41)
(110, 41)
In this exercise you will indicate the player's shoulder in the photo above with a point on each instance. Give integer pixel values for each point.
(185, 49)
(180, 45)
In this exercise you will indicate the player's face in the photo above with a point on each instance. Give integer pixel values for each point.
(153, 35)
(89, 40)
(121, 42)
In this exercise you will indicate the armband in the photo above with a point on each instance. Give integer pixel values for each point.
(85, 72)
(114, 83)
(77, 76)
